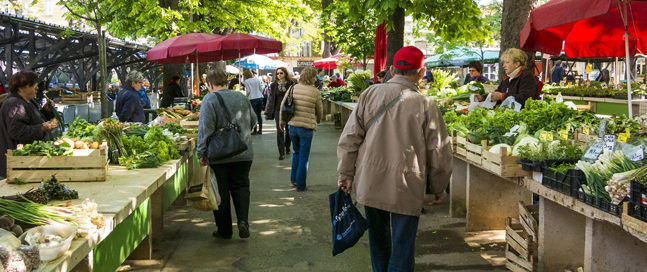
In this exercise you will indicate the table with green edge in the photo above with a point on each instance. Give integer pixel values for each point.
(133, 203)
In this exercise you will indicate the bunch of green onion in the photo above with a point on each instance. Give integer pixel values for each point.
(32, 213)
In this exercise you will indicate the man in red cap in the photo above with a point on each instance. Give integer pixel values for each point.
(394, 142)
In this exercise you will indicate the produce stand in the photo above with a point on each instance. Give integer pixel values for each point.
(571, 233)
(133, 203)
(338, 107)
(607, 106)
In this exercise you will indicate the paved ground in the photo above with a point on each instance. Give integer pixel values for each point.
(290, 231)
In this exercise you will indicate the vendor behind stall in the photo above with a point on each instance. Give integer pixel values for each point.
(22, 120)
(519, 81)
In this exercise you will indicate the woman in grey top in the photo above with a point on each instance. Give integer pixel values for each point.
(255, 94)
(232, 173)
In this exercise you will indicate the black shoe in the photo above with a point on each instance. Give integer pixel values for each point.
(243, 229)
(304, 189)
(218, 235)
(281, 157)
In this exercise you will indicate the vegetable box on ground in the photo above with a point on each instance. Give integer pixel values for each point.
(82, 165)
(501, 163)
(528, 217)
(520, 249)
(473, 152)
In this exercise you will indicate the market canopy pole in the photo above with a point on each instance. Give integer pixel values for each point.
(627, 60)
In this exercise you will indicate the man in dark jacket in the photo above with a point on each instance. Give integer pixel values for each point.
(558, 72)
(129, 107)
(171, 91)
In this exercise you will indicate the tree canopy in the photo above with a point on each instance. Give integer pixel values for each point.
(356, 36)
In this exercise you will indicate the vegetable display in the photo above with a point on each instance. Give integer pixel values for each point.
(173, 112)
(156, 147)
(82, 129)
(40, 148)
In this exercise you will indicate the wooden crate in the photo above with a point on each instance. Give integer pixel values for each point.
(632, 223)
(520, 249)
(460, 146)
(190, 135)
(189, 124)
(79, 98)
(83, 165)
(502, 164)
(528, 217)
(183, 145)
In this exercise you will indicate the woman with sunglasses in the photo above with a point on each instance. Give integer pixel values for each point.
(280, 85)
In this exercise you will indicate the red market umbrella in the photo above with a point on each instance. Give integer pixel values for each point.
(327, 63)
(177, 49)
(588, 28)
(239, 45)
(380, 50)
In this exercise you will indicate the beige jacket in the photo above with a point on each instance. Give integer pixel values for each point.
(308, 108)
(391, 163)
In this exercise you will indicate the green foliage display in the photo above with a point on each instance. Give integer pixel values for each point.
(359, 80)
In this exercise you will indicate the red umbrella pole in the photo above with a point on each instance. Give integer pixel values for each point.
(627, 62)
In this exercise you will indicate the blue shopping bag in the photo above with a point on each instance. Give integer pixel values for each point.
(348, 224)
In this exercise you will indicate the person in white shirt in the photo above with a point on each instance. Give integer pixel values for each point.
(255, 94)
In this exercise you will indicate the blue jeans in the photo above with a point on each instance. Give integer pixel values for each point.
(392, 240)
(301, 142)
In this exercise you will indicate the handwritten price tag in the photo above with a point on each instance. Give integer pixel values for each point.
(586, 131)
(546, 136)
(609, 142)
(636, 153)
(603, 128)
(563, 134)
(594, 151)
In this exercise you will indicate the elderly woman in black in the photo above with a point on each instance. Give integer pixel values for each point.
(22, 121)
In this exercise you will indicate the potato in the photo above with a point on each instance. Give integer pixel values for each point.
(94, 145)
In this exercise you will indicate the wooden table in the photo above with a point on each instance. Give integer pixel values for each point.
(571, 233)
(133, 202)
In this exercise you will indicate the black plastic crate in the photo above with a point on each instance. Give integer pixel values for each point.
(529, 165)
(557, 181)
(638, 211)
(577, 178)
(608, 206)
(638, 193)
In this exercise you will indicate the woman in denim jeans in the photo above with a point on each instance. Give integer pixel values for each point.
(307, 114)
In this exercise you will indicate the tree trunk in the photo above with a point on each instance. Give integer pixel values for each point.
(395, 36)
(327, 40)
(514, 17)
(104, 79)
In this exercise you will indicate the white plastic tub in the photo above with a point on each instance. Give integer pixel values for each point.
(47, 252)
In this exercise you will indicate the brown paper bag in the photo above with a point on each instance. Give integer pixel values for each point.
(209, 197)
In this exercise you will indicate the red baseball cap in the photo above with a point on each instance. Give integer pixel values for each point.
(408, 58)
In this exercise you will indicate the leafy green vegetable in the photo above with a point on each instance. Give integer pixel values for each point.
(81, 129)
(40, 148)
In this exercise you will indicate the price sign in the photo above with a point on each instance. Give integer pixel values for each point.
(563, 134)
(622, 137)
(594, 151)
(609, 142)
(586, 131)
(636, 153)
(603, 128)
(546, 136)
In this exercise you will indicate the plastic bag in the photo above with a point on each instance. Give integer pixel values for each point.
(487, 103)
(209, 197)
(348, 224)
(512, 103)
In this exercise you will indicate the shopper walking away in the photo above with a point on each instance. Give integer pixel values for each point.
(281, 83)
(232, 173)
(129, 107)
(22, 120)
(394, 142)
(171, 91)
(255, 95)
(307, 114)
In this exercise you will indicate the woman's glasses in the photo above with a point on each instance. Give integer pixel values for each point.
(279, 73)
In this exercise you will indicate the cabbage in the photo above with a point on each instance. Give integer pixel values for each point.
(526, 140)
(496, 149)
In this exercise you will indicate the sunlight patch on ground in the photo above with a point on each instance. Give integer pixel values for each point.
(204, 224)
(264, 221)
(476, 239)
(269, 232)
(287, 198)
(494, 259)
(271, 206)
(284, 190)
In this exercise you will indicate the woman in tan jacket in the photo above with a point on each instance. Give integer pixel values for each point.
(307, 114)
